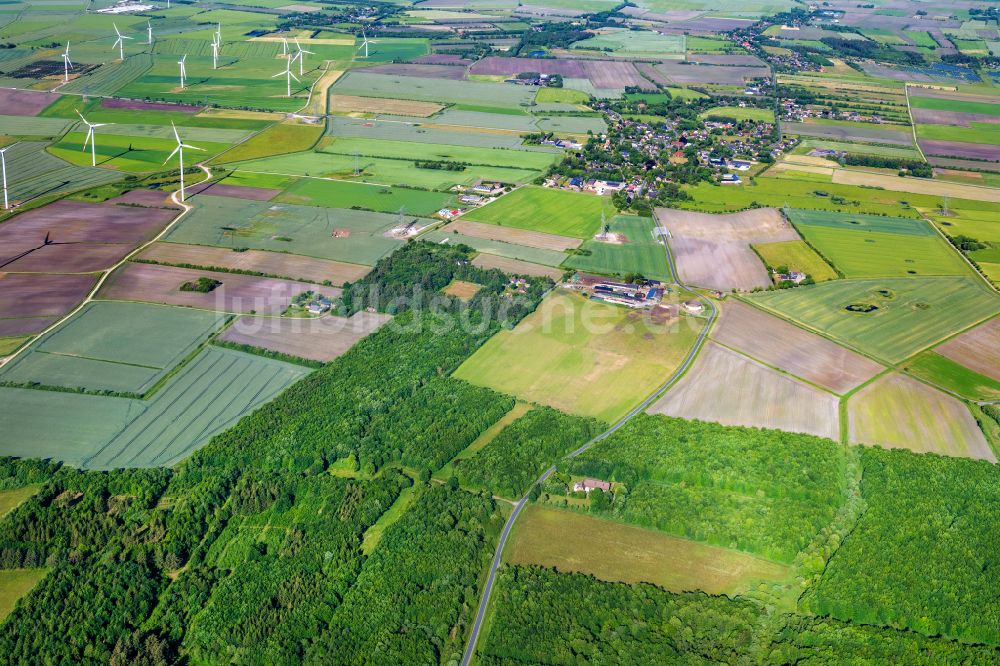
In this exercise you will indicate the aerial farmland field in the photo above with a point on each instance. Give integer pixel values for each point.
(640, 252)
(322, 339)
(797, 255)
(540, 209)
(909, 313)
(617, 351)
(978, 349)
(341, 194)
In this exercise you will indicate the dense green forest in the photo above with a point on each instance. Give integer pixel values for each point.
(763, 491)
(925, 554)
(555, 618)
(519, 454)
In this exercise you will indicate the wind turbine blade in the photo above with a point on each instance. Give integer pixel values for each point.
(81, 115)
(101, 124)
(176, 135)
(293, 75)
(88, 139)
(176, 150)
(279, 74)
(184, 145)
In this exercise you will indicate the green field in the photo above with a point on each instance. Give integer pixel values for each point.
(587, 358)
(277, 139)
(500, 95)
(304, 230)
(572, 541)
(382, 171)
(10, 498)
(864, 246)
(641, 253)
(207, 396)
(739, 113)
(135, 154)
(957, 105)
(111, 346)
(976, 132)
(341, 194)
(634, 42)
(539, 209)
(561, 96)
(500, 248)
(797, 256)
(953, 376)
(14, 584)
(33, 172)
(859, 148)
(404, 150)
(912, 313)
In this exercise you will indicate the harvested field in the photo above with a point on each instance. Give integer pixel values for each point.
(682, 73)
(284, 265)
(237, 293)
(731, 389)
(41, 295)
(77, 222)
(608, 74)
(24, 102)
(792, 349)
(976, 151)
(942, 117)
(395, 107)
(515, 266)
(714, 250)
(68, 257)
(423, 71)
(572, 541)
(899, 412)
(238, 192)
(917, 185)
(318, 339)
(144, 198)
(978, 349)
(723, 59)
(538, 239)
(24, 326)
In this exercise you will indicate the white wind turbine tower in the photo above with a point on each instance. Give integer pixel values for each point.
(288, 75)
(301, 55)
(179, 150)
(218, 33)
(215, 55)
(3, 163)
(364, 42)
(90, 137)
(120, 43)
(183, 71)
(284, 46)
(66, 63)
(149, 32)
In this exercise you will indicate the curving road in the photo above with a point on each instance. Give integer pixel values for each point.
(495, 564)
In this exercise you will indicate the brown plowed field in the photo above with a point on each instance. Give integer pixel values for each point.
(978, 349)
(69, 258)
(272, 263)
(395, 107)
(714, 250)
(731, 389)
(792, 349)
(41, 295)
(24, 102)
(238, 192)
(515, 266)
(147, 198)
(237, 293)
(319, 339)
(525, 237)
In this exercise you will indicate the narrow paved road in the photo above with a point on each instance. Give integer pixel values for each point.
(470, 647)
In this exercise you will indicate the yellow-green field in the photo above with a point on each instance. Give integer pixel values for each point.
(582, 357)
(572, 541)
(14, 584)
(9, 499)
(797, 256)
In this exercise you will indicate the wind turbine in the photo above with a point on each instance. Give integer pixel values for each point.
(215, 55)
(3, 163)
(301, 55)
(149, 32)
(218, 33)
(288, 75)
(90, 137)
(66, 63)
(364, 43)
(120, 43)
(179, 150)
(284, 46)
(183, 71)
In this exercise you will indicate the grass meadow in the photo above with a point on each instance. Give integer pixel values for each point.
(581, 356)
(14, 584)
(641, 253)
(955, 377)
(552, 211)
(797, 256)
